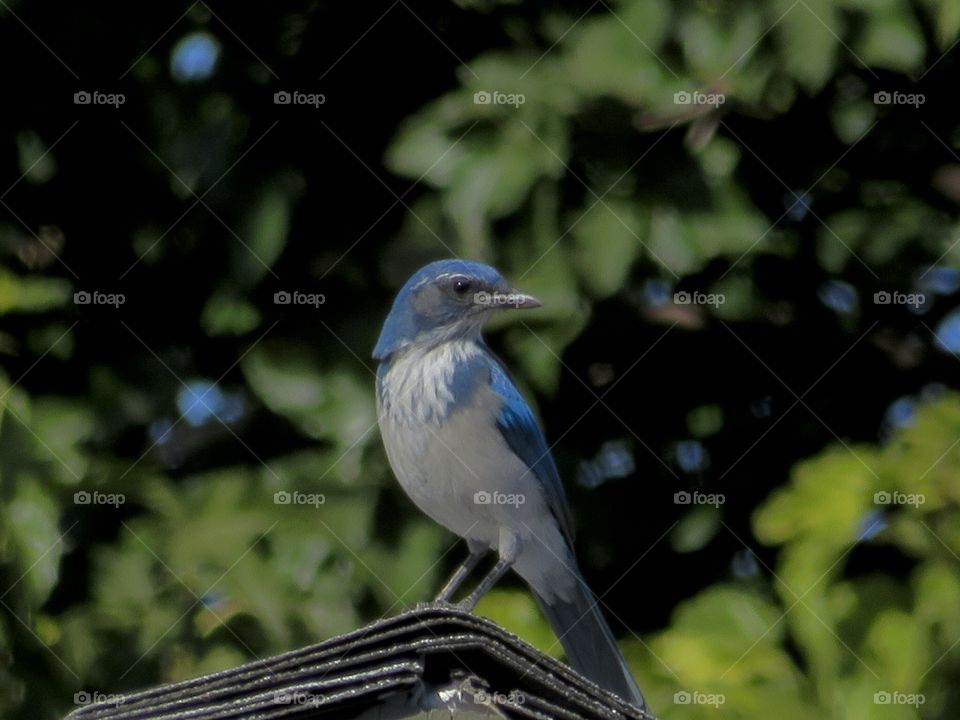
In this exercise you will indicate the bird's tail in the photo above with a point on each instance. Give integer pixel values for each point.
(589, 643)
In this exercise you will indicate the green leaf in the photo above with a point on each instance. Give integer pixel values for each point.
(518, 612)
(720, 158)
(618, 55)
(708, 635)
(299, 553)
(425, 147)
(937, 589)
(925, 457)
(334, 404)
(608, 239)
(947, 21)
(695, 529)
(125, 585)
(220, 514)
(826, 498)
(903, 653)
(705, 420)
(670, 244)
(56, 340)
(63, 426)
(893, 40)
(36, 162)
(851, 120)
(405, 572)
(740, 298)
(492, 184)
(31, 294)
(715, 43)
(809, 37)
(33, 531)
(217, 658)
(264, 230)
(227, 315)
(684, 241)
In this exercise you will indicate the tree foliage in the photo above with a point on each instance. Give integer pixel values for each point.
(741, 220)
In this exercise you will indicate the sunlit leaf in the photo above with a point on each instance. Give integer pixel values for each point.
(33, 528)
(809, 35)
(31, 294)
(518, 612)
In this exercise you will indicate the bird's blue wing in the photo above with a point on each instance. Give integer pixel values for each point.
(519, 428)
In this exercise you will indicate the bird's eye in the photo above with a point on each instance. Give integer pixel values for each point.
(461, 285)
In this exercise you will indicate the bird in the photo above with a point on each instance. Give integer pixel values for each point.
(466, 448)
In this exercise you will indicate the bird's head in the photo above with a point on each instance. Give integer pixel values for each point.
(445, 300)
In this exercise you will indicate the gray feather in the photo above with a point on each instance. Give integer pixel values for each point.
(589, 643)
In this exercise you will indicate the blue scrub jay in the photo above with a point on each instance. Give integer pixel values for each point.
(467, 449)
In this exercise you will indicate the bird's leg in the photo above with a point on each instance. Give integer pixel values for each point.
(509, 549)
(461, 574)
(470, 602)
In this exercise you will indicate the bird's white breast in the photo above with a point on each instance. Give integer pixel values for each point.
(420, 382)
(443, 443)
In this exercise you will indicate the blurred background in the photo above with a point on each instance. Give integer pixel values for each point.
(741, 218)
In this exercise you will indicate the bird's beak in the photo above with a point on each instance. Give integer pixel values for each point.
(520, 300)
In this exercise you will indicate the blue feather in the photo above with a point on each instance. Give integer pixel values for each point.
(408, 317)
(520, 429)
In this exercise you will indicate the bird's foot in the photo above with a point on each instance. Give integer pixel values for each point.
(434, 604)
(467, 604)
